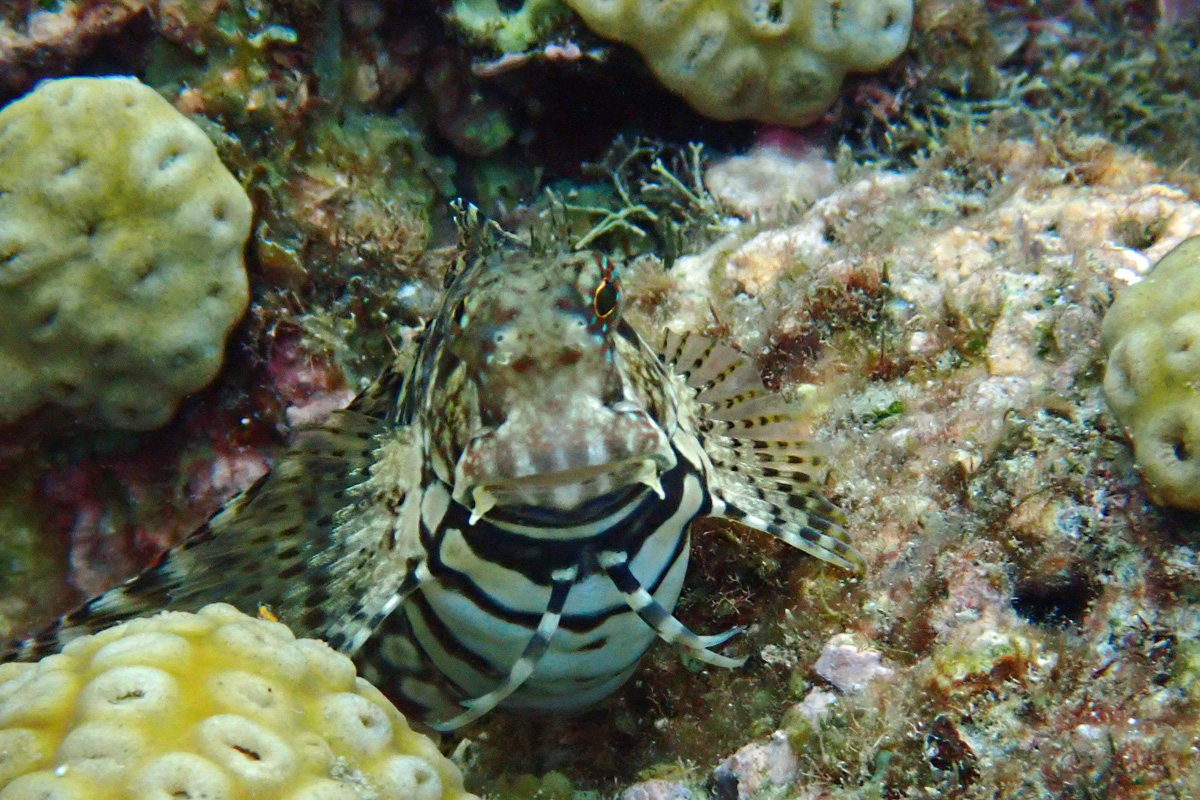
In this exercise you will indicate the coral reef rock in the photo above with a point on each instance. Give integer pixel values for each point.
(121, 237)
(213, 705)
(1025, 624)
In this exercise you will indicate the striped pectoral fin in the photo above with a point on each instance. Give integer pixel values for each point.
(815, 534)
(523, 667)
(771, 486)
(310, 540)
(349, 633)
(765, 475)
(715, 370)
(142, 595)
(616, 565)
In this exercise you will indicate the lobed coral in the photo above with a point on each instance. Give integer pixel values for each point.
(777, 61)
(214, 705)
(121, 237)
(1152, 337)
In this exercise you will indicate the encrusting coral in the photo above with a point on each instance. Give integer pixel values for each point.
(777, 61)
(121, 237)
(1152, 337)
(214, 705)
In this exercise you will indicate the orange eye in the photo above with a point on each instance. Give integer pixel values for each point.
(604, 301)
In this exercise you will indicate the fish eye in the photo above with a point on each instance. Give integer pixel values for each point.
(604, 301)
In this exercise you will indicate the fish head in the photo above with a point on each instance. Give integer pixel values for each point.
(554, 402)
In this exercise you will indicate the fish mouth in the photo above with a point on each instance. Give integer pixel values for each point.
(564, 490)
(540, 461)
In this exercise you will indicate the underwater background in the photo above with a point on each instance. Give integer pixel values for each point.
(921, 228)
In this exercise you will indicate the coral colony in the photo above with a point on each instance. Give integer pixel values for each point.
(215, 704)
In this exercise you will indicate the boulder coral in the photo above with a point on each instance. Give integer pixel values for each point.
(214, 705)
(776, 61)
(121, 239)
(1152, 337)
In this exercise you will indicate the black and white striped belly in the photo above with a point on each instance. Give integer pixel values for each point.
(492, 583)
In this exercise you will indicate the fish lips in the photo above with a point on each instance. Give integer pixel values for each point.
(560, 461)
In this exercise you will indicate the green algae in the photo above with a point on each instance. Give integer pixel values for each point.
(1030, 68)
(485, 23)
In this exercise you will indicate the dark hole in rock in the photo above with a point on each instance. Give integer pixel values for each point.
(131, 413)
(1140, 234)
(183, 358)
(701, 51)
(1057, 601)
(724, 784)
(64, 389)
(75, 162)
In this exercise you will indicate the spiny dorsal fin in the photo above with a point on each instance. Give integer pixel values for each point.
(315, 540)
(479, 236)
(764, 472)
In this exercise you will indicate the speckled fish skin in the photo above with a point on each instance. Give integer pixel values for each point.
(508, 526)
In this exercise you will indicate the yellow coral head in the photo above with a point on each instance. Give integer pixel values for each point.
(777, 61)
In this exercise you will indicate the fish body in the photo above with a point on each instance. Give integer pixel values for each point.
(507, 524)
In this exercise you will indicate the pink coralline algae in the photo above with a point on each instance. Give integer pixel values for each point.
(848, 666)
(757, 768)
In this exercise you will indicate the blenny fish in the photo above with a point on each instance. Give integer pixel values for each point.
(507, 525)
